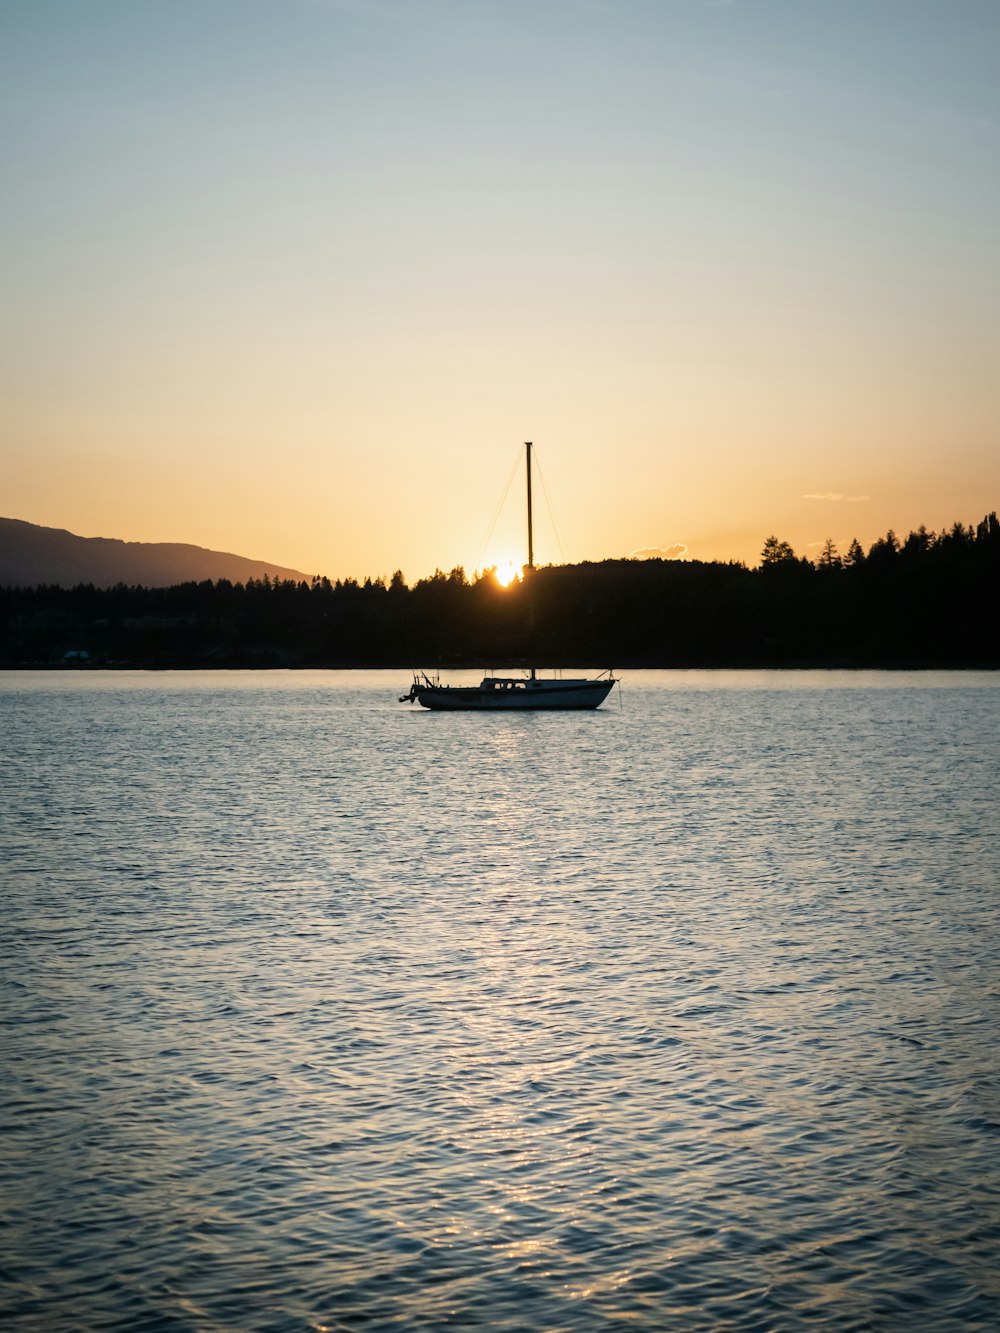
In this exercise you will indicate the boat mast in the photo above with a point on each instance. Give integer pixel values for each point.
(531, 551)
(531, 547)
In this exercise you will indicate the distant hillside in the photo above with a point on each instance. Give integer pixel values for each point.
(31, 555)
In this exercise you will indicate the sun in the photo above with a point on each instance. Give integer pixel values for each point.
(505, 573)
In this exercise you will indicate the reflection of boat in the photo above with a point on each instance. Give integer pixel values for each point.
(525, 692)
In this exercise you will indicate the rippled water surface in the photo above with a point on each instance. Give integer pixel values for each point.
(322, 1012)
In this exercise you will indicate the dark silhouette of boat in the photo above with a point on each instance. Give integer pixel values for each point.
(520, 692)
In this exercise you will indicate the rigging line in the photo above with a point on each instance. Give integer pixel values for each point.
(496, 513)
(551, 512)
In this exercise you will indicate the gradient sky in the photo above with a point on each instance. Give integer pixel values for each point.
(294, 278)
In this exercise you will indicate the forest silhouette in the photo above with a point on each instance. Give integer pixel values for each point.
(927, 600)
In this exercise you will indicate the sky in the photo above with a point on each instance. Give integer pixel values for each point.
(296, 278)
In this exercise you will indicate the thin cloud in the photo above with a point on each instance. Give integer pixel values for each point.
(835, 495)
(676, 552)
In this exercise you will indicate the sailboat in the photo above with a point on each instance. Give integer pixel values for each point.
(531, 692)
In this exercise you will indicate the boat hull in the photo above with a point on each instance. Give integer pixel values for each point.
(520, 695)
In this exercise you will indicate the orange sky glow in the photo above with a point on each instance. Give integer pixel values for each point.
(296, 280)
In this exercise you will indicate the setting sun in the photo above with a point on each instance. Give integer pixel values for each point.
(506, 572)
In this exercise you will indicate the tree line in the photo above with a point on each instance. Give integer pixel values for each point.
(929, 599)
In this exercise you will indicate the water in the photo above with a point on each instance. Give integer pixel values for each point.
(322, 1012)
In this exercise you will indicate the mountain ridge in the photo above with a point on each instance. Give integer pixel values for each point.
(32, 555)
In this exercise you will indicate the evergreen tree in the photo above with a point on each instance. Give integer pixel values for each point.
(855, 556)
(775, 552)
(829, 557)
